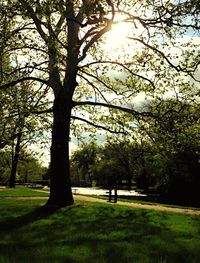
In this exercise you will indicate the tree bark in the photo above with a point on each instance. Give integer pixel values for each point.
(60, 185)
(15, 160)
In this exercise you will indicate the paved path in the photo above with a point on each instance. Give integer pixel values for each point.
(157, 207)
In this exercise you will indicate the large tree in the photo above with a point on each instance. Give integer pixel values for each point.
(59, 43)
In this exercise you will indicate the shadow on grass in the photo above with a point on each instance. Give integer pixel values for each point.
(100, 233)
(33, 216)
(21, 221)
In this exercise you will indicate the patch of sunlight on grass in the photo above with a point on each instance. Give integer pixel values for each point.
(21, 191)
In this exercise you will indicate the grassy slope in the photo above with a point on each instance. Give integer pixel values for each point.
(93, 233)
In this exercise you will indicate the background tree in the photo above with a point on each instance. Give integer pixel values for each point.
(29, 168)
(174, 137)
(82, 161)
(5, 167)
(19, 126)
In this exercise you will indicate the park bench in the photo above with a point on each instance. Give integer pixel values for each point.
(33, 185)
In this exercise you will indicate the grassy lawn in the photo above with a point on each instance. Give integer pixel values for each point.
(20, 191)
(95, 233)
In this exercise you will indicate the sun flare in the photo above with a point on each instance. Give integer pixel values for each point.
(119, 40)
(117, 37)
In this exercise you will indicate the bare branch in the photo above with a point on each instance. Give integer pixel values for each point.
(7, 141)
(101, 81)
(95, 39)
(177, 68)
(25, 68)
(59, 24)
(100, 33)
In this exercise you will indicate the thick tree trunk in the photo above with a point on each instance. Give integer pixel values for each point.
(15, 160)
(60, 185)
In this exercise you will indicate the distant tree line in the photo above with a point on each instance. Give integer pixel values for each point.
(162, 158)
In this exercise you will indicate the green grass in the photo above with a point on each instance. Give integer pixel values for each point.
(20, 191)
(138, 201)
(95, 233)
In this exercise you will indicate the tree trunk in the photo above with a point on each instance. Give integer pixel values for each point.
(15, 160)
(89, 174)
(90, 178)
(60, 185)
(129, 176)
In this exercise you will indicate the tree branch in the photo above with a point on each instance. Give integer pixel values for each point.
(111, 106)
(97, 126)
(7, 141)
(36, 20)
(177, 68)
(42, 111)
(100, 33)
(15, 82)
(101, 81)
(94, 87)
(121, 65)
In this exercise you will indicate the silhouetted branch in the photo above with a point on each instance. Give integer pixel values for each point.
(15, 82)
(177, 68)
(97, 126)
(99, 80)
(111, 106)
(37, 112)
(121, 65)
(94, 87)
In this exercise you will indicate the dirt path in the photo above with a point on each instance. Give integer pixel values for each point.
(129, 204)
